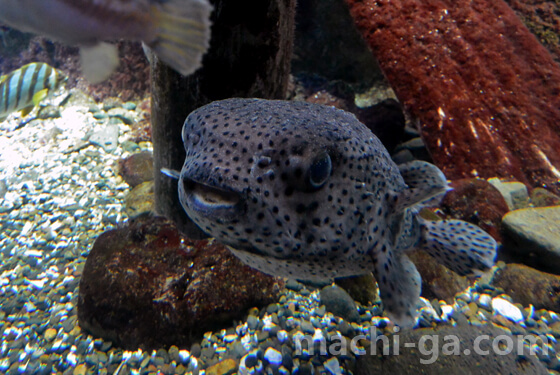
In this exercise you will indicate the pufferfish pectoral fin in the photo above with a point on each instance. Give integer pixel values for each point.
(399, 286)
(426, 184)
(458, 245)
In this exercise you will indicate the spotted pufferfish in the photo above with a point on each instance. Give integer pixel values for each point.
(308, 192)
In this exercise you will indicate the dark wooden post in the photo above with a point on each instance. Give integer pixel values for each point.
(249, 56)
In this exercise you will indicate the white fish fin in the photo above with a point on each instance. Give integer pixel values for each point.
(182, 33)
(458, 245)
(99, 61)
(171, 173)
(426, 185)
(399, 285)
(148, 53)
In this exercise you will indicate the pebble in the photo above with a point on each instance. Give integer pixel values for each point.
(507, 310)
(273, 356)
(252, 322)
(225, 367)
(50, 334)
(106, 138)
(339, 302)
(333, 366)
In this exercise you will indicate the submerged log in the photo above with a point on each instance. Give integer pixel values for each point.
(485, 91)
(249, 56)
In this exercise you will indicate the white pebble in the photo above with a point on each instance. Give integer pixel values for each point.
(446, 311)
(333, 366)
(485, 300)
(184, 356)
(39, 284)
(273, 356)
(318, 335)
(282, 336)
(507, 310)
(428, 308)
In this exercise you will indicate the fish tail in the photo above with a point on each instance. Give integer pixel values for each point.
(399, 286)
(182, 33)
(458, 245)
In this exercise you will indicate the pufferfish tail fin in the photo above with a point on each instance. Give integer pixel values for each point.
(182, 33)
(458, 245)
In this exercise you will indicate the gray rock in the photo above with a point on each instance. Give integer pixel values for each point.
(108, 138)
(338, 302)
(416, 147)
(533, 234)
(122, 114)
(428, 356)
(515, 193)
(131, 106)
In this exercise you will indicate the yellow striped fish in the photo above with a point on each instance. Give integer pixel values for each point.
(178, 31)
(25, 87)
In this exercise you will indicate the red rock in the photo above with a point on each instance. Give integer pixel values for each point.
(542, 17)
(478, 202)
(147, 286)
(485, 91)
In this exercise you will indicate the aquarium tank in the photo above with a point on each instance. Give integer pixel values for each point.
(270, 187)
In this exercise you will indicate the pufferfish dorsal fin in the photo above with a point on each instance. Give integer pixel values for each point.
(426, 185)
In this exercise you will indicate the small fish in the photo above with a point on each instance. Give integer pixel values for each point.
(178, 31)
(308, 192)
(25, 87)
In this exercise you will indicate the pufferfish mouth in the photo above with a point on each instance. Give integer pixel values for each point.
(212, 201)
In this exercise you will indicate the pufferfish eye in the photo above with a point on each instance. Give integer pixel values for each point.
(320, 170)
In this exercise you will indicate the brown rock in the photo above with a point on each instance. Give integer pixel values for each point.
(543, 198)
(459, 350)
(147, 286)
(478, 202)
(137, 168)
(437, 280)
(361, 288)
(528, 286)
(140, 200)
(225, 367)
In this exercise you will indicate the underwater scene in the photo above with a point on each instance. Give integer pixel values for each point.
(279, 187)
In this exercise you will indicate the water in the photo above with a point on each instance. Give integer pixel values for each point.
(60, 189)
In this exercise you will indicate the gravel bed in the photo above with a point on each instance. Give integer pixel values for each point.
(58, 192)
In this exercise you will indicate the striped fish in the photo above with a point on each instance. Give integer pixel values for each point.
(178, 31)
(25, 87)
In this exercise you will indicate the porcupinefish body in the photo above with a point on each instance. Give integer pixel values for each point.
(178, 31)
(308, 192)
(24, 88)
